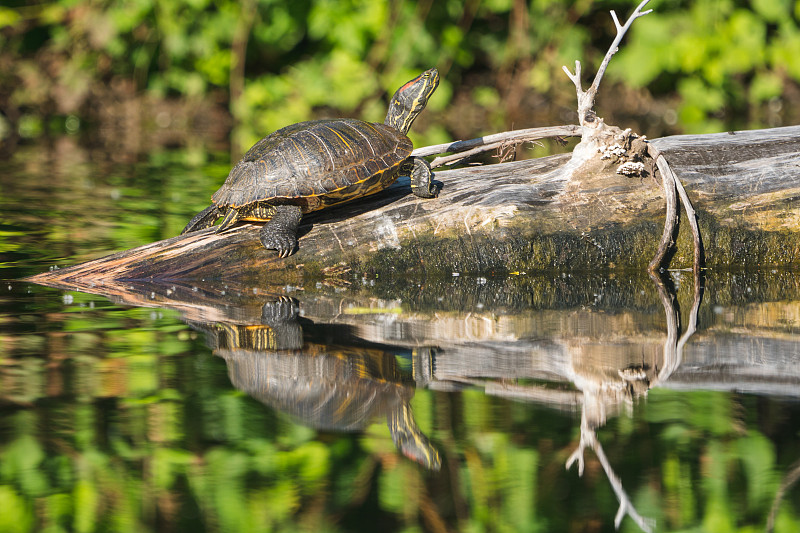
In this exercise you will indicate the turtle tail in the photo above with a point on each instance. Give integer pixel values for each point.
(203, 219)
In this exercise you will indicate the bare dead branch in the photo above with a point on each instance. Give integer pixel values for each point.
(527, 393)
(673, 346)
(621, 31)
(671, 361)
(491, 142)
(671, 219)
(671, 185)
(576, 78)
(586, 98)
(690, 214)
(691, 326)
(452, 159)
(588, 440)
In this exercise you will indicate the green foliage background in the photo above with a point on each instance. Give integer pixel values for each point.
(701, 65)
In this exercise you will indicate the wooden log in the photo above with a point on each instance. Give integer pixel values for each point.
(533, 215)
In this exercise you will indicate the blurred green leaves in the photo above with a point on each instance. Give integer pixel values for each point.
(274, 63)
(15, 512)
(725, 59)
(8, 17)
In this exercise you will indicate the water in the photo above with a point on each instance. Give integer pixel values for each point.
(452, 405)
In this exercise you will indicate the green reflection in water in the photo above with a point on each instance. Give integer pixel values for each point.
(65, 203)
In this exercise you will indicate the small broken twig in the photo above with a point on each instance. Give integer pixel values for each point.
(507, 151)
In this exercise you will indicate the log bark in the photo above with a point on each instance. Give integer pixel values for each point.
(525, 216)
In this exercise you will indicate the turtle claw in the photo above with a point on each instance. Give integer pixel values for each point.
(283, 244)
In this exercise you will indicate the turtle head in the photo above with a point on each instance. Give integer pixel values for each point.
(410, 99)
(410, 440)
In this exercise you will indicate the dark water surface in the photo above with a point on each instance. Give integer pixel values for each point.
(361, 405)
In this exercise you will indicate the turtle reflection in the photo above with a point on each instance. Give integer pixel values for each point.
(327, 387)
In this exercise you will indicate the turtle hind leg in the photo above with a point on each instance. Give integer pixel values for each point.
(203, 219)
(420, 172)
(231, 217)
(280, 231)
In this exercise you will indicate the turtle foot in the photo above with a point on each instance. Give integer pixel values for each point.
(421, 175)
(279, 311)
(425, 190)
(280, 232)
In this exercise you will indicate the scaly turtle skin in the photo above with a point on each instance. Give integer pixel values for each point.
(313, 165)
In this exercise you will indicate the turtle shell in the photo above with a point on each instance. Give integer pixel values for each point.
(316, 164)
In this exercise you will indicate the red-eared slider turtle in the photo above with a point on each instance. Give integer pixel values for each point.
(313, 165)
(328, 388)
(341, 387)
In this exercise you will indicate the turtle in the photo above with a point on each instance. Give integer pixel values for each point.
(334, 388)
(316, 164)
(292, 367)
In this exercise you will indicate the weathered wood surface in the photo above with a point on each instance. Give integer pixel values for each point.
(749, 179)
(520, 216)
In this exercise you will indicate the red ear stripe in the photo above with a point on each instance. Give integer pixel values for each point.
(412, 82)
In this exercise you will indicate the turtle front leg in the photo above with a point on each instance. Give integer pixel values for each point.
(280, 232)
(281, 317)
(420, 171)
(203, 219)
